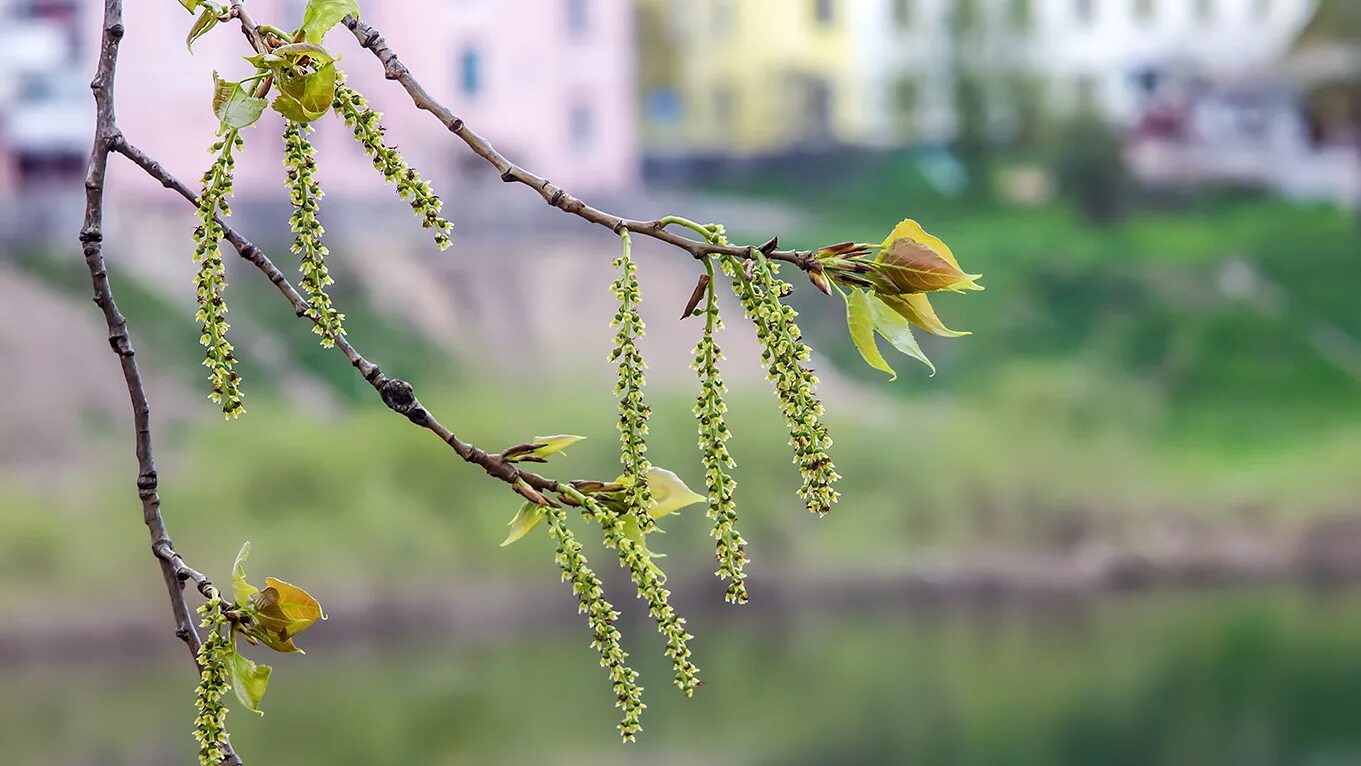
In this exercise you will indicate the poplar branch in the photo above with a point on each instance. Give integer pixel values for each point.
(174, 570)
(556, 196)
(398, 395)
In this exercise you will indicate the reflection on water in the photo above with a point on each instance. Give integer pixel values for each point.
(1213, 678)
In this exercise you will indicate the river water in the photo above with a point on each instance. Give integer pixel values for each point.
(1212, 677)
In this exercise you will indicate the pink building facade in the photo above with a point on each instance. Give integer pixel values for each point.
(549, 82)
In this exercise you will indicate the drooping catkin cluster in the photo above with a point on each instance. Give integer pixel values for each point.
(305, 194)
(601, 616)
(368, 131)
(649, 580)
(211, 279)
(633, 410)
(210, 725)
(729, 547)
(786, 357)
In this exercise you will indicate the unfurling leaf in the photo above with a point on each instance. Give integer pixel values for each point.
(315, 51)
(860, 320)
(242, 590)
(202, 26)
(190, 5)
(551, 445)
(235, 108)
(249, 681)
(912, 261)
(529, 517)
(669, 492)
(321, 15)
(896, 330)
(283, 611)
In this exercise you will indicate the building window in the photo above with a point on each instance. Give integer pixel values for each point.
(1144, 10)
(1085, 11)
(1205, 11)
(582, 126)
(824, 12)
(470, 71)
(903, 11)
(578, 18)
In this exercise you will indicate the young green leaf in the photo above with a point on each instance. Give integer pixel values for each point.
(524, 522)
(283, 611)
(669, 492)
(242, 590)
(860, 319)
(321, 15)
(897, 330)
(202, 26)
(249, 681)
(552, 445)
(190, 5)
(315, 51)
(235, 108)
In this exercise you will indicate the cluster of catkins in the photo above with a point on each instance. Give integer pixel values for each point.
(305, 194)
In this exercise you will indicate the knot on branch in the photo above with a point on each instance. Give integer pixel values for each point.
(400, 397)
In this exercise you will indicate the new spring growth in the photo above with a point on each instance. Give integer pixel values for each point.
(211, 279)
(601, 616)
(729, 547)
(786, 356)
(214, 658)
(887, 286)
(622, 534)
(633, 411)
(305, 194)
(368, 131)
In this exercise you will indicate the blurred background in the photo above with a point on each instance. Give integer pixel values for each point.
(1120, 526)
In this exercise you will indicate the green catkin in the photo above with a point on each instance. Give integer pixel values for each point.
(211, 279)
(368, 131)
(649, 581)
(601, 616)
(305, 194)
(729, 547)
(633, 410)
(787, 357)
(210, 725)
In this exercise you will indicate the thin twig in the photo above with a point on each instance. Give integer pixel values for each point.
(398, 395)
(556, 196)
(173, 569)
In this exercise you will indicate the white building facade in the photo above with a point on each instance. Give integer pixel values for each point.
(1106, 54)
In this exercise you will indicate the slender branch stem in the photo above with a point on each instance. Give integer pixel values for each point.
(398, 395)
(556, 196)
(174, 570)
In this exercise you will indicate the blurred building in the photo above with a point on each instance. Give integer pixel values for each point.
(551, 83)
(767, 76)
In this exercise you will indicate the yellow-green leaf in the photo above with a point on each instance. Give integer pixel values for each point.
(896, 330)
(321, 15)
(249, 681)
(234, 107)
(525, 521)
(202, 26)
(669, 492)
(860, 319)
(552, 445)
(282, 611)
(916, 308)
(242, 590)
